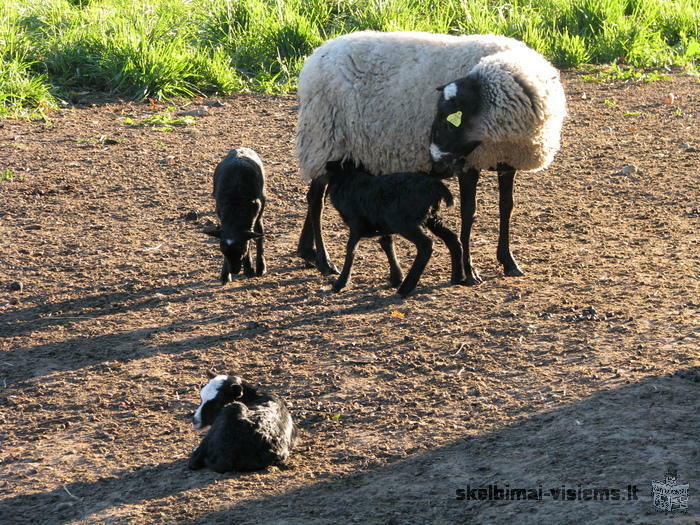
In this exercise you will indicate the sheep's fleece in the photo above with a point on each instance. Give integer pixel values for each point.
(371, 96)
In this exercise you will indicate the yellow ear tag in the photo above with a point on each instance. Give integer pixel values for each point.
(455, 119)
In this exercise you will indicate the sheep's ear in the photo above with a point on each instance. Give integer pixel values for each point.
(211, 374)
(214, 232)
(247, 235)
(529, 93)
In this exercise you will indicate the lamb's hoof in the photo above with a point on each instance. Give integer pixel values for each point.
(513, 271)
(261, 270)
(337, 285)
(225, 279)
(327, 268)
(472, 280)
(308, 256)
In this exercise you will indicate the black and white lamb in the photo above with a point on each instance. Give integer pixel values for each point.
(371, 97)
(396, 203)
(250, 429)
(239, 190)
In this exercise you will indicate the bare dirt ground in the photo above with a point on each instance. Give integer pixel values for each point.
(584, 373)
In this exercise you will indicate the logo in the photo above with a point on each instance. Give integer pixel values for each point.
(670, 496)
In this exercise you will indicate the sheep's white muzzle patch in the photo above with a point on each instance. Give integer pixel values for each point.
(436, 153)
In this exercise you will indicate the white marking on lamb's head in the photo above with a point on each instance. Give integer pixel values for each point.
(449, 91)
(207, 394)
(228, 242)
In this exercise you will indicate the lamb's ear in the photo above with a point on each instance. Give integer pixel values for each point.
(214, 232)
(237, 391)
(211, 374)
(247, 235)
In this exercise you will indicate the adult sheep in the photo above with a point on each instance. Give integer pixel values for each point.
(371, 97)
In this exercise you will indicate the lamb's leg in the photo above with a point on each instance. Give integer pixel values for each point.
(424, 247)
(395, 272)
(260, 266)
(506, 174)
(312, 234)
(225, 272)
(467, 195)
(344, 276)
(248, 264)
(198, 456)
(452, 242)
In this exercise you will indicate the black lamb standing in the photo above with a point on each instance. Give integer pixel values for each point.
(239, 190)
(394, 203)
(250, 430)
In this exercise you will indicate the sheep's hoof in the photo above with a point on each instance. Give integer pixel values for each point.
(395, 281)
(338, 285)
(225, 279)
(513, 271)
(261, 270)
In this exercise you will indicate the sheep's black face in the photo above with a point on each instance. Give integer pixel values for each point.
(220, 391)
(452, 134)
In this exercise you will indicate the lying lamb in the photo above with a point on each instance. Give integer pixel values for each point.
(239, 190)
(401, 203)
(370, 96)
(250, 430)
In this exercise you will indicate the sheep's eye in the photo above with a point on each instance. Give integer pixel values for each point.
(455, 118)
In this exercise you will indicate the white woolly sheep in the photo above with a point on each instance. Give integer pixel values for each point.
(250, 430)
(371, 97)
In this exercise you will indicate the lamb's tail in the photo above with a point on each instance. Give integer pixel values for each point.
(446, 196)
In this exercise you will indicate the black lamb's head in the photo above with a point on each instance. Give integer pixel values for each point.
(234, 246)
(217, 393)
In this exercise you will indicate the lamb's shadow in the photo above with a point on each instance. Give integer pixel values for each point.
(587, 444)
(92, 306)
(80, 499)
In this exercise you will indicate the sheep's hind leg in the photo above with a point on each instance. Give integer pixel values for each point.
(452, 242)
(506, 176)
(424, 247)
(312, 234)
(344, 276)
(395, 272)
(467, 195)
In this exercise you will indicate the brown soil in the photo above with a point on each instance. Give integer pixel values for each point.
(583, 372)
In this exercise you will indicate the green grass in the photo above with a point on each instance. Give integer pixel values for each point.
(180, 48)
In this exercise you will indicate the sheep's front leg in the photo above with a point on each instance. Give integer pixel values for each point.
(506, 176)
(344, 276)
(453, 245)
(467, 195)
(260, 265)
(395, 272)
(424, 246)
(312, 234)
